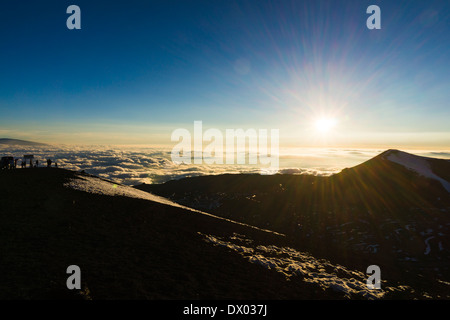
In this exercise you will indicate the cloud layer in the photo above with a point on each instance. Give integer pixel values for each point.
(135, 165)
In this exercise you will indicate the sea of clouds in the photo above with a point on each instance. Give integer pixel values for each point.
(133, 165)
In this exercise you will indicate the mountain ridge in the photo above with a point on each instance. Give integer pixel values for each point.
(9, 141)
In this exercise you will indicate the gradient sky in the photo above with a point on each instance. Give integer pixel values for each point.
(137, 70)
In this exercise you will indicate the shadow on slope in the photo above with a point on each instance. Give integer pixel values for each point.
(126, 248)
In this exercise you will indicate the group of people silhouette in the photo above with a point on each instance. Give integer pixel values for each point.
(11, 163)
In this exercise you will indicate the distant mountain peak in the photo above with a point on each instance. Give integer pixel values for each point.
(392, 152)
(421, 165)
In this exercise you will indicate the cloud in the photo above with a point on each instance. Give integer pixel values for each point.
(136, 165)
(435, 154)
(310, 171)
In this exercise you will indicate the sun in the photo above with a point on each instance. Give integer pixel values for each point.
(324, 125)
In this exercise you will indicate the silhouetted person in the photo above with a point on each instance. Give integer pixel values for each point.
(37, 163)
(49, 163)
(15, 163)
(56, 164)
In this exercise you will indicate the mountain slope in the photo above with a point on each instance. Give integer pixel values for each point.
(390, 181)
(392, 210)
(377, 185)
(426, 167)
(132, 245)
(126, 248)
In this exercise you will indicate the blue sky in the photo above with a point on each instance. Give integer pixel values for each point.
(137, 70)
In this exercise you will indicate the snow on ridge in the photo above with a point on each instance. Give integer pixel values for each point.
(99, 186)
(96, 185)
(291, 262)
(417, 164)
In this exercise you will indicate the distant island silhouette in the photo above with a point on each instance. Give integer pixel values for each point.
(18, 142)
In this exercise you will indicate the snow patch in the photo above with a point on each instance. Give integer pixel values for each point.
(428, 248)
(293, 263)
(417, 164)
(99, 186)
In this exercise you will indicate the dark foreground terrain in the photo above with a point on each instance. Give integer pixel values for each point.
(126, 248)
(129, 246)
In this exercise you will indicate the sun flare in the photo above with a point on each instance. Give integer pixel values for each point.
(325, 125)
